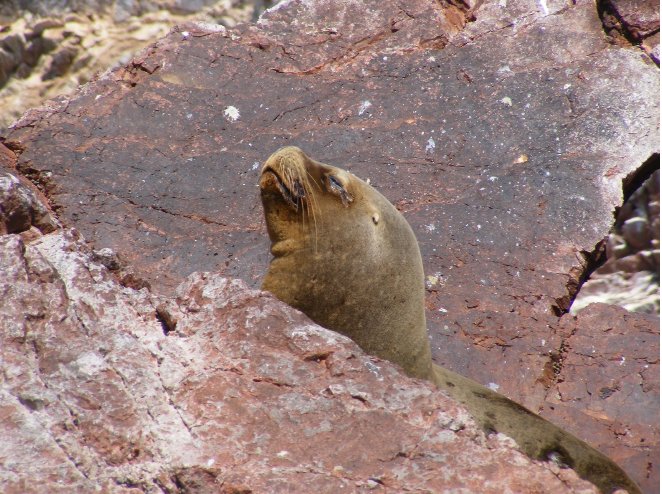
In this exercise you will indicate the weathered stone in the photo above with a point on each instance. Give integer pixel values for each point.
(39, 27)
(640, 18)
(633, 22)
(110, 33)
(630, 276)
(247, 395)
(60, 63)
(651, 46)
(14, 44)
(12, 48)
(619, 400)
(20, 209)
(506, 157)
(38, 47)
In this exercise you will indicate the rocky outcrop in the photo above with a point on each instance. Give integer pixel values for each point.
(120, 9)
(235, 393)
(50, 48)
(630, 276)
(507, 159)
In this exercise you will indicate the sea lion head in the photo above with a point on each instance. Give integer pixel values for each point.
(299, 195)
(345, 257)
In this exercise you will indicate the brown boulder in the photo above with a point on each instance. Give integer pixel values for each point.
(502, 132)
(244, 395)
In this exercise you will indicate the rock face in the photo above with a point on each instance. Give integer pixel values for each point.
(633, 21)
(241, 394)
(49, 48)
(621, 397)
(507, 159)
(631, 274)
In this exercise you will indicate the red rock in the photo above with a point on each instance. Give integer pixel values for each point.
(246, 395)
(610, 372)
(503, 140)
(641, 18)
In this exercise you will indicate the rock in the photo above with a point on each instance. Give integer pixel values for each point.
(507, 159)
(247, 395)
(20, 208)
(12, 48)
(640, 18)
(60, 63)
(618, 400)
(7, 66)
(630, 275)
(651, 46)
(14, 44)
(17, 209)
(108, 32)
(108, 258)
(638, 292)
(42, 25)
(38, 47)
(633, 22)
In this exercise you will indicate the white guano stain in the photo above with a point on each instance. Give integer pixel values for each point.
(231, 113)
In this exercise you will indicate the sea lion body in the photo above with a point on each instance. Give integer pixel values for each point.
(349, 260)
(366, 267)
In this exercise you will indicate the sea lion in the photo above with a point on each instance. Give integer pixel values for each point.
(344, 256)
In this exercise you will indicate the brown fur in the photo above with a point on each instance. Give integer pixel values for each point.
(366, 269)
(349, 260)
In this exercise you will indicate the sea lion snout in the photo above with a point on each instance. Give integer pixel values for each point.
(292, 191)
(296, 177)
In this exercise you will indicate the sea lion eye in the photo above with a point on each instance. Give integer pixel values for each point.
(334, 182)
(334, 186)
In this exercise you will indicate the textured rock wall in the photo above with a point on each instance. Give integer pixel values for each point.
(50, 48)
(503, 133)
(240, 393)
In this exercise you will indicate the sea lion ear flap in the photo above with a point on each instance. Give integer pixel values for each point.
(335, 187)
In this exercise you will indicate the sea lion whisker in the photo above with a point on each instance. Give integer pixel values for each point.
(283, 181)
(313, 206)
(310, 201)
(313, 180)
(294, 198)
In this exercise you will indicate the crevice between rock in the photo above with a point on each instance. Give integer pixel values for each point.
(621, 31)
(590, 261)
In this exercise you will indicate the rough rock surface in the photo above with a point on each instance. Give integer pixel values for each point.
(630, 275)
(49, 48)
(243, 394)
(508, 160)
(600, 378)
(633, 21)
